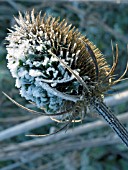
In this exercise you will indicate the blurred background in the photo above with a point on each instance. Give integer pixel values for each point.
(89, 145)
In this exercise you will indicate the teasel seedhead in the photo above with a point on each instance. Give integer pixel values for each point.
(40, 77)
(56, 68)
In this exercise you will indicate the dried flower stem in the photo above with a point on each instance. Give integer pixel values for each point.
(111, 119)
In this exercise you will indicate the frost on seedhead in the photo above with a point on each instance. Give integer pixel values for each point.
(59, 70)
(40, 76)
(33, 67)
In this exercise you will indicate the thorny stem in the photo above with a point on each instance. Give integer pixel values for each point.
(111, 119)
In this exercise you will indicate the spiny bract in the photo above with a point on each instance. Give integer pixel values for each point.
(40, 76)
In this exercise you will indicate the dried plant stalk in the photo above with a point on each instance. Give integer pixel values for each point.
(111, 119)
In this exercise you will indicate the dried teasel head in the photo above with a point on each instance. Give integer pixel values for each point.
(59, 70)
(54, 65)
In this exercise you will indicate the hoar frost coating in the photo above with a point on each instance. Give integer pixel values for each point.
(40, 77)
